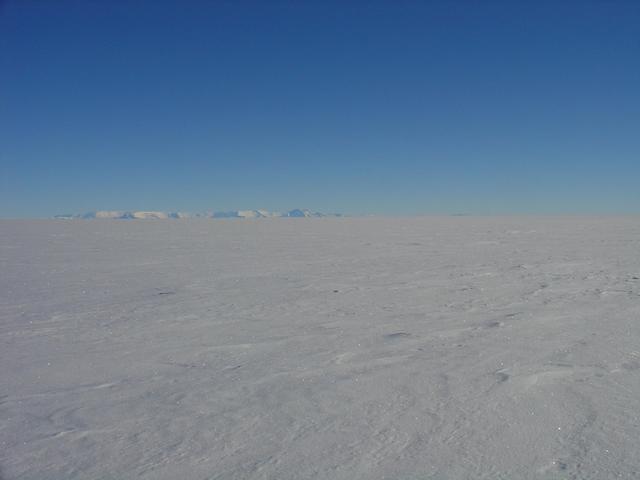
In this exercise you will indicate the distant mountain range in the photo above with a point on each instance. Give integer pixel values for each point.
(131, 215)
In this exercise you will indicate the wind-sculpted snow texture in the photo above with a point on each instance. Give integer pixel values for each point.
(335, 348)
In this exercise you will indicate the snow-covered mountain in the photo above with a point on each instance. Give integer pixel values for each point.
(245, 214)
(155, 215)
(298, 213)
(120, 215)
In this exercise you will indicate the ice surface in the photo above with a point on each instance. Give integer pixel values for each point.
(353, 348)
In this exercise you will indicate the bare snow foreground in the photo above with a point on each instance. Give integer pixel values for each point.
(354, 348)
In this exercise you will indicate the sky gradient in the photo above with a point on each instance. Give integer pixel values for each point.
(357, 107)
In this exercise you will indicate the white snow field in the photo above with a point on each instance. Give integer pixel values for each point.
(327, 348)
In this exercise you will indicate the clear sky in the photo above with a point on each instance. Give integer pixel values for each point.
(396, 107)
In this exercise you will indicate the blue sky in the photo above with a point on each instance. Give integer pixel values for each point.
(359, 107)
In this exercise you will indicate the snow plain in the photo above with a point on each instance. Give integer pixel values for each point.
(330, 348)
